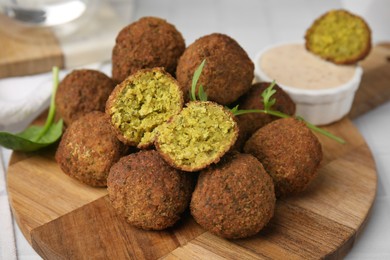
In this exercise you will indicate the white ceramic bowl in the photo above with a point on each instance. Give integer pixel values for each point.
(317, 106)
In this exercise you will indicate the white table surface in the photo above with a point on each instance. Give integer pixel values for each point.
(255, 24)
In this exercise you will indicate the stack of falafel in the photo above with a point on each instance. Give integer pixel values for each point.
(158, 152)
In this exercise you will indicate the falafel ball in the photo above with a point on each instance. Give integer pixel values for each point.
(198, 136)
(147, 43)
(340, 37)
(82, 91)
(249, 123)
(235, 198)
(227, 74)
(289, 152)
(142, 102)
(148, 192)
(89, 148)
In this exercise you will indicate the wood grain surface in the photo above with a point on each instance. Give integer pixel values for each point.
(64, 219)
(375, 86)
(27, 50)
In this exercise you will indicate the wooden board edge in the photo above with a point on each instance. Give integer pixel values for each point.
(178, 235)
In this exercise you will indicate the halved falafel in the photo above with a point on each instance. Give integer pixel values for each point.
(249, 123)
(289, 152)
(197, 137)
(234, 198)
(147, 43)
(81, 92)
(142, 102)
(228, 72)
(89, 148)
(339, 36)
(148, 192)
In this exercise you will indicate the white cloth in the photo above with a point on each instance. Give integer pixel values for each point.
(23, 98)
(33, 95)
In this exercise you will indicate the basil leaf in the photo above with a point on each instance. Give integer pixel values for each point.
(22, 141)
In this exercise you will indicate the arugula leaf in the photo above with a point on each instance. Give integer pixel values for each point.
(195, 78)
(36, 137)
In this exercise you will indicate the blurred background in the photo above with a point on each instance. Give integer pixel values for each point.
(253, 23)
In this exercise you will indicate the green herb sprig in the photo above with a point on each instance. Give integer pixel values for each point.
(268, 102)
(36, 137)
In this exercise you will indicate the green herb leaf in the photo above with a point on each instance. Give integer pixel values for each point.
(36, 137)
(234, 110)
(23, 142)
(267, 94)
(202, 95)
(322, 131)
(195, 79)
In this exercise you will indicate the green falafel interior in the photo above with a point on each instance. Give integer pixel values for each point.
(198, 136)
(144, 101)
(340, 37)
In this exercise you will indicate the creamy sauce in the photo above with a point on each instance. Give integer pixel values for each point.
(292, 65)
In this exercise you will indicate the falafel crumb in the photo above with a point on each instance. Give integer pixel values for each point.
(148, 99)
(198, 136)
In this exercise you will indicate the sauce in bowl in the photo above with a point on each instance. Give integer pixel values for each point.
(294, 66)
(323, 91)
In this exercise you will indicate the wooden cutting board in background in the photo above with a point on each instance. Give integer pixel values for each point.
(28, 50)
(64, 219)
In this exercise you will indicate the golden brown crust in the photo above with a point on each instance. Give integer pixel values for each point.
(88, 149)
(357, 56)
(147, 192)
(234, 198)
(147, 43)
(227, 74)
(289, 152)
(81, 92)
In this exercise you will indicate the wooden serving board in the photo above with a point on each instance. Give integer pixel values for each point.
(64, 219)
